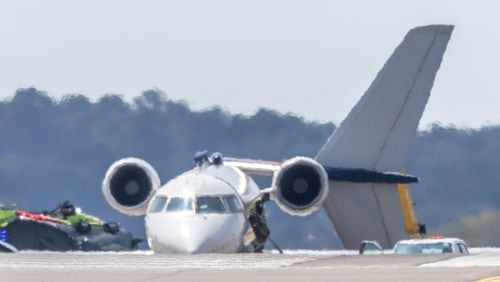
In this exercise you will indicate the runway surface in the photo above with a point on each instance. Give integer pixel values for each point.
(294, 266)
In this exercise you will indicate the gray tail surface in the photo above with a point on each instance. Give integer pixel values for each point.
(377, 134)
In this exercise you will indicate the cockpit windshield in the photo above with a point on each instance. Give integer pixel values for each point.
(203, 204)
(180, 204)
(209, 205)
(158, 204)
(233, 204)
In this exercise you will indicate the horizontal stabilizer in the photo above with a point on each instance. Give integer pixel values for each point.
(359, 175)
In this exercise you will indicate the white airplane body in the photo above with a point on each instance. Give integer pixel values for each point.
(354, 175)
(208, 211)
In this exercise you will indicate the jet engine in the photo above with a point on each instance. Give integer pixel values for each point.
(300, 186)
(129, 184)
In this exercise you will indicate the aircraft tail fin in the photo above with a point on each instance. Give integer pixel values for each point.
(377, 134)
(379, 129)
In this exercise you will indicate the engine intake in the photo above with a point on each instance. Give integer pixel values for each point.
(300, 186)
(129, 184)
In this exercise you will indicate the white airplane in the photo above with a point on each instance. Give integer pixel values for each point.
(354, 176)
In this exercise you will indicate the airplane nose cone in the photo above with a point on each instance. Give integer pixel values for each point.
(220, 233)
(195, 245)
(189, 239)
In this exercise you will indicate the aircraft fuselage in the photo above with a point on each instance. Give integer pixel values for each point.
(201, 211)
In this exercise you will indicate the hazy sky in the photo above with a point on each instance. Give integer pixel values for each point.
(313, 58)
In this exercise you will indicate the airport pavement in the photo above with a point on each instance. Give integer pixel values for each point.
(92, 267)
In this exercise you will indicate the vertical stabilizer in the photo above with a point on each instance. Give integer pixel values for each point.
(376, 135)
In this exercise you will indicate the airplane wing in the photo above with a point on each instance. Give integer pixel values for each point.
(376, 136)
(250, 166)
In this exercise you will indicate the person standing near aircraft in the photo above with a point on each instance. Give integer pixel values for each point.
(257, 219)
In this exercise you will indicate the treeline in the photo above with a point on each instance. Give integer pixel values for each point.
(52, 150)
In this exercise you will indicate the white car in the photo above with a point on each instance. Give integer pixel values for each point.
(432, 245)
(369, 247)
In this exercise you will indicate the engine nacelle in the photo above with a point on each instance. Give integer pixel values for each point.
(300, 186)
(129, 184)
